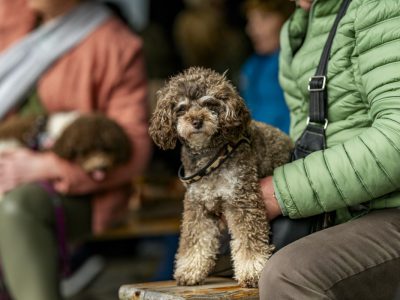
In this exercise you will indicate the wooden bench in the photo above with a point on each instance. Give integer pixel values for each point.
(213, 288)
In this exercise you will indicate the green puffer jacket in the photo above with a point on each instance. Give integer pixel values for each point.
(362, 162)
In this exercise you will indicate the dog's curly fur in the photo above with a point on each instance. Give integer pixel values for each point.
(93, 141)
(202, 110)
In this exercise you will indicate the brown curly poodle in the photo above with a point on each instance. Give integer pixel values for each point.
(224, 153)
(94, 141)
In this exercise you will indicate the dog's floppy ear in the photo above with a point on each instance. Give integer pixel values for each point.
(237, 114)
(236, 118)
(162, 123)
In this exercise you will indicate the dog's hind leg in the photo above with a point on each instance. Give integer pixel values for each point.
(250, 243)
(198, 246)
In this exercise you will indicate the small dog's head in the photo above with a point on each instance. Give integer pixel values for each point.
(95, 142)
(201, 108)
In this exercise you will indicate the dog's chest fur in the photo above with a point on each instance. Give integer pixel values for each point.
(213, 189)
(224, 184)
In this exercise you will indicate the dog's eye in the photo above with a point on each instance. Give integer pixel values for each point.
(180, 110)
(211, 104)
(215, 108)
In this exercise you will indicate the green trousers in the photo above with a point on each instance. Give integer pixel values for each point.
(29, 254)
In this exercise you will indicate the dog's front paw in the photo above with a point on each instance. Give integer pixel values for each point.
(248, 277)
(192, 270)
(187, 279)
(249, 283)
(247, 272)
(189, 276)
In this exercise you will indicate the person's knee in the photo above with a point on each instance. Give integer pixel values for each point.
(11, 206)
(291, 271)
(24, 201)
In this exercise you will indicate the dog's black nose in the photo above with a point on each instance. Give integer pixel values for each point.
(197, 123)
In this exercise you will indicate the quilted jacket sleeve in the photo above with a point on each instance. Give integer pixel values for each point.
(365, 167)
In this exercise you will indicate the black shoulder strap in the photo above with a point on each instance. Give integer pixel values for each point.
(317, 83)
(313, 137)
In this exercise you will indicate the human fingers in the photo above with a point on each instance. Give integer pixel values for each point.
(305, 4)
(271, 203)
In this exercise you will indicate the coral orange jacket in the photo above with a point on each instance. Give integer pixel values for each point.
(104, 73)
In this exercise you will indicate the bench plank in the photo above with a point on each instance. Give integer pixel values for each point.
(213, 288)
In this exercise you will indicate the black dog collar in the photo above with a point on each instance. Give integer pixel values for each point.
(223, 154)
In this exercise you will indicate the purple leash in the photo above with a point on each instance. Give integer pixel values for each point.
(60, 227)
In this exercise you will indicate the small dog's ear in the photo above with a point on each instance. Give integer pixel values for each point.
(237, 116)
(237, 110)
(162, 124)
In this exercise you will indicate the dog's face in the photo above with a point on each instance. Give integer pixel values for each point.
(197, 120)
(201, 108)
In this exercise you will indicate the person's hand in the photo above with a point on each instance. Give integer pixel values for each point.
(21, 166)
(271, 204)
(304, 4)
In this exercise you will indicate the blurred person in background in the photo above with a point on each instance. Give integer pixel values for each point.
(259, 84)
(204, 37)
(74, 55)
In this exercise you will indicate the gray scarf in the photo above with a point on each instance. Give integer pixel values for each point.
(22, 64)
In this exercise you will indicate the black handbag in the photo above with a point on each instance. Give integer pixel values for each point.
(285, 230)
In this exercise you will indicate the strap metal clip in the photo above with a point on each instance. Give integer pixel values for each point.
(314, 83)
(316, 123)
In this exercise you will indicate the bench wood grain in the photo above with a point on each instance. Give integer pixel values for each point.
(213, 288)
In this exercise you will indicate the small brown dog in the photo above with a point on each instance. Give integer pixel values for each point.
(94, 141)
(224, 154)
